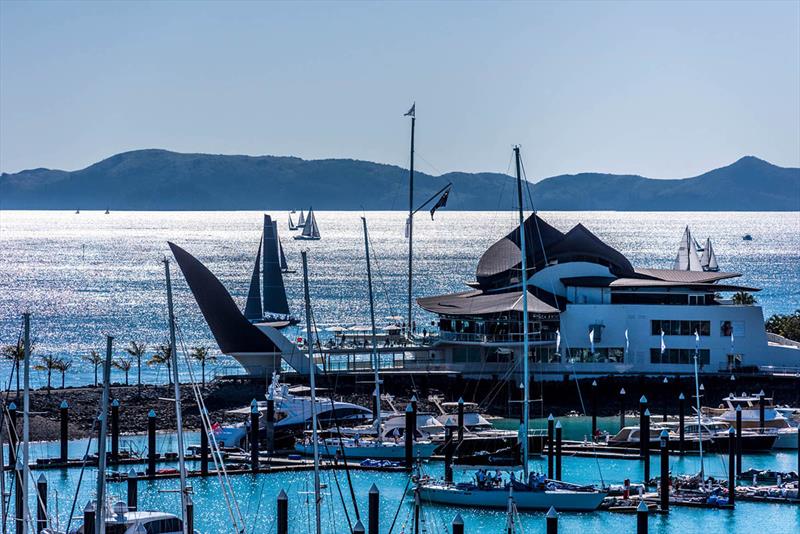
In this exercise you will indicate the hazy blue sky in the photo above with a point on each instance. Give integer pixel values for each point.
(660, 89)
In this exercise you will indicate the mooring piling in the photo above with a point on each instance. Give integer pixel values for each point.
(460, 419)
(151, 444)
(409, 442)
(664, 482)
(254, 415)
(270, 424)
(115, 431)
(204, 446)
(641, 518)
(681, 418)
(189, 514)
(550, 444)
(738, 440)
(622, 408)
(358, 528)
(133, 489)
(593, 391)
(13, 438)
(644, 437)
(448, 452)
(283, 513)
(64, 419)
(558, 450)
(458, 524)
(41, 503)
(761, 412)
(19, 512)
(374, 509)
(732, 446)
(88, 517)
(551, 521)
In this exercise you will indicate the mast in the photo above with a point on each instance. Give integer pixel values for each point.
(525, 370)
(699, 422)
(375, 360)
(100, 508)
(411, 112)
(310, 334)
(178, 412)
(26, 426)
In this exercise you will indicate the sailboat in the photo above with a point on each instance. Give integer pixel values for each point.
(266, 298)
(301, 221)
(687, 258)
(532, 493)
(292, 225)
(708, 260)
(77, 211)
(310, 228)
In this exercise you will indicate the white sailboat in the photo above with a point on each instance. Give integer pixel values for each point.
(301, 221)
(687, 258)
(292, 225)
(708, 260)
(310, 228)
(533, 492)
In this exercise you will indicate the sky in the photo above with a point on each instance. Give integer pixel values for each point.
(666, 90)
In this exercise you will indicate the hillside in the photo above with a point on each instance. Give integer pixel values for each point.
(162, 180)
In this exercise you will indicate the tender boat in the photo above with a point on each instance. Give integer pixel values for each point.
(123, 521)
(362, 449)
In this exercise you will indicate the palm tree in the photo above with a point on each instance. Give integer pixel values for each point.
(16, 353)
(124, 365)
(137, 350)
(96, 360)
(163, 356)
(744, 298)
(62, 366)
(48, 364)
(201, 355)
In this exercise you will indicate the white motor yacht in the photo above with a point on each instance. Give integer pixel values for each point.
(774, 421)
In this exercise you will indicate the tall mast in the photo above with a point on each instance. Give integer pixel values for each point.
(412, 112)
(525, 371)
(310, 334)
(178, 412)
(375, 360)
(699, 420)
(26, 427)
(100, 508)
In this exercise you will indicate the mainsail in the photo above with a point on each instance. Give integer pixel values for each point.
(291, 223)
(302, 220)
(709, 260)
(311, 230)
(273, 291)
(687, 259)
(252, 309)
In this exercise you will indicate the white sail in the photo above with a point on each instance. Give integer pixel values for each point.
(687, 259)
(291, 223)
(709, 259)
(310, 229)
(301, 220)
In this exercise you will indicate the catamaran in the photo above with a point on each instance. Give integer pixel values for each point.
(534, 492)
(310, 228)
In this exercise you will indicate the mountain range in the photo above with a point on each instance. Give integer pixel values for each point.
(156, 179)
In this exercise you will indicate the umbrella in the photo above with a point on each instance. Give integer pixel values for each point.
(360, 328)
(336, 329)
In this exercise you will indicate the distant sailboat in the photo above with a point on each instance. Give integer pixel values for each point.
(77, 211)
(107, 212)
(310, 229)
(709, 260)
(301, 221)
(687, 259)
(266, 298)
(292, 225)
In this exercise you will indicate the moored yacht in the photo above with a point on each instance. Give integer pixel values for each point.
(774, 422)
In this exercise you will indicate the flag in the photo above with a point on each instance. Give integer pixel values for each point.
(627, 342)
(663, 345)
(411, 112)
(558, 341)
(696, 341)
(408, 226)
(442, 202)
(731, 341)
(591, 339)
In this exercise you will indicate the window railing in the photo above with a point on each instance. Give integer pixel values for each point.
(472, 337)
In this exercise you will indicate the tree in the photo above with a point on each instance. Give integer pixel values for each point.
(137, 350)
(163, 356)
(201, 355)
(96, 360)
(744, 298)
(62, 366)
(16, 353)
(787, 326)
(48, 364)
(124, 365)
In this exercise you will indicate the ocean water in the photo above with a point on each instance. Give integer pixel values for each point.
(86, 275)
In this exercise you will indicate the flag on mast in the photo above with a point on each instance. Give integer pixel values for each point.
(558, 341)
(411, 112)
(663, 345)
(591, 339)
(441, 203)
(627, 342)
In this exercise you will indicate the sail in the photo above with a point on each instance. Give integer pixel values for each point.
(302, 220)
(281, 255)
(273, 291)
(252, 309)
(311, 230)
(687, 259)
(291, 223)
(711, 258)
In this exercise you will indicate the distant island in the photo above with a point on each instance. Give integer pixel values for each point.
(162, 180)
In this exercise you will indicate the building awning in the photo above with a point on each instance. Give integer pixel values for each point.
(621, 283)
(672, 275)
(477, 302)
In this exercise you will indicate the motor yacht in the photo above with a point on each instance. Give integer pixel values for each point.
(774, 421)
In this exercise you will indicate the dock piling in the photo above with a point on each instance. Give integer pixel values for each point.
(558, 450)
(133, 489)
(641, 518)
(41, 503)
(732, 446)
(458, 524)
(622, 408)
(761, 412)
(681, 418)
(204, 447)
(359, 528)
(551, 521)
(448, 452)
(374, 510)
(189, 514)
(739, 441)
(460, 419)
(19, 476)
(13, 438)
(254, 436)
(64, 417)
(115, 431)
(88, 517)
(550, 443)
(664, 485)
(644, 437)
(151, 444)
(408, 433)
(270, 424)
(283, 513)
(594, 408)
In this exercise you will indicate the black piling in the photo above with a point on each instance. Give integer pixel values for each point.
(41, 503)
(458, 524)
(414, 419)
(681, 418)
(732, 446)
(13, 439)
(739, 440)
(460, 419)
(88, 517)
(254, 436)
(550, 443)
(798, 449)
(408, 435)
(664, 486)
(189, 514)
(204, 447)
(641, 518)
(270, 425)
(358, 528)
(374, 510)
(283, 513)
(151, 444)
(448, 452)
(558, 450)
(551, 520)
(761, 412)
(115, 431)
(19, 474)
(64, 416)
(622, 408)
(133, 489)
(666, 399)
(646, 440)
(594, 408)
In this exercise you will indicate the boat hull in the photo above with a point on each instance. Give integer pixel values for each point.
(372, 452)
(562, 500)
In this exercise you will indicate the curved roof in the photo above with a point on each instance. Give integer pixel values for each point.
(480, 303)
(580, 244)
